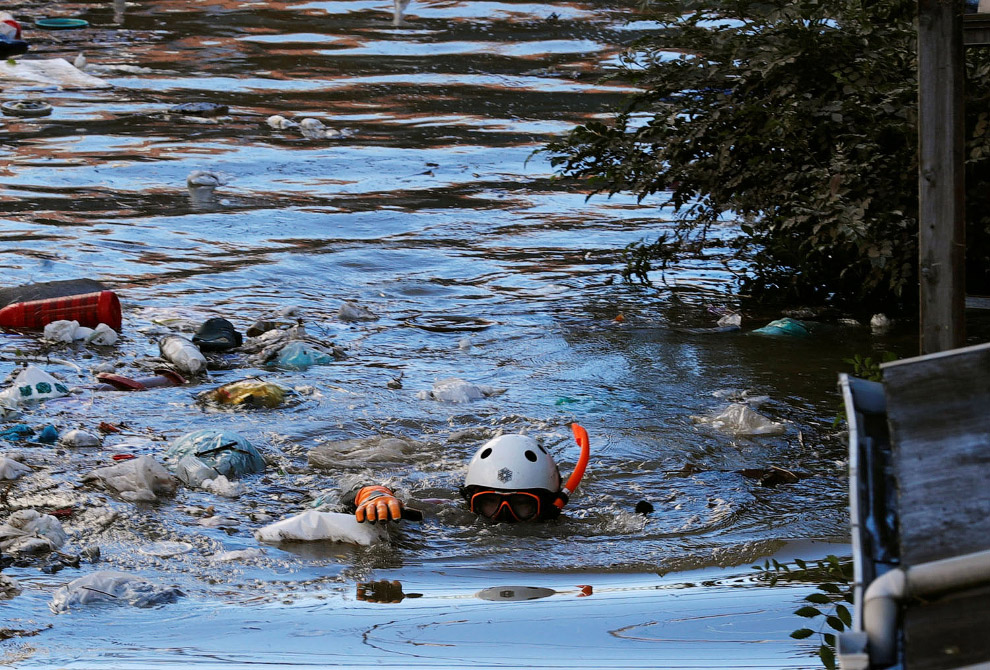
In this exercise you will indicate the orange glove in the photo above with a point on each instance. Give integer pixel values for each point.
(377, 503)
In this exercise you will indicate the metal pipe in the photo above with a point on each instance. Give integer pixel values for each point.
(885, 594)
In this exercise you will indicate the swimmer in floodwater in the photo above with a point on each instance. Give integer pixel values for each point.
(510, 479)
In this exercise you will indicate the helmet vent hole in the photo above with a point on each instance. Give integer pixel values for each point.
(530, 456)
(487, 452)
(543, 450)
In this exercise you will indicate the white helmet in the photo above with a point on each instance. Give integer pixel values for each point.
(513, 462)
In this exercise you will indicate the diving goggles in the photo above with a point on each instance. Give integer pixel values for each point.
(515, 506)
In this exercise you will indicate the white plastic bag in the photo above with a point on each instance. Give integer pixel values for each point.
(111, 586)
(311, 526)
(454, 389)
(140, 479)
(78, 438)
(33, 383)
(739, 419)
(103, 336)
(61, 331)
(28, 532)
(11, 469)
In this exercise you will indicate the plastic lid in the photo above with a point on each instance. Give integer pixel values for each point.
(61, 24)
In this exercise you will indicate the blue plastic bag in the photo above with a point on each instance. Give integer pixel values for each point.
(787, 326)
(298, 355)
(208, 453)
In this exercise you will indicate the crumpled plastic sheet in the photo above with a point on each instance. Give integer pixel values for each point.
(11, 469)
(738, 419)
(111, 586)
(208, 454)
(29, 532)
(311, 526)
(141, 479)
(454, 389)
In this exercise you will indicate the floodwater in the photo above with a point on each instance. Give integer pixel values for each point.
(431, 210)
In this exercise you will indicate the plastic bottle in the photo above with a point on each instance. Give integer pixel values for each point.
(183, 354)
(89, 309)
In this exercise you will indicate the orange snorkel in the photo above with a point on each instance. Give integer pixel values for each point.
(581, 437)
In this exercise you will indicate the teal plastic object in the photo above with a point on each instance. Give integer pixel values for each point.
(299, 356)
(61, 24)
(208, 453)
(787, 326)
(48, 434)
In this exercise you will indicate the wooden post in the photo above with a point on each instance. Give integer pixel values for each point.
(941, 220)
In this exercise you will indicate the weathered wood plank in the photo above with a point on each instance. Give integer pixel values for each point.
(941, 215)
(938, 410)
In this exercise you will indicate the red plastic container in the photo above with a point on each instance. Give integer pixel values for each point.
(89, 309)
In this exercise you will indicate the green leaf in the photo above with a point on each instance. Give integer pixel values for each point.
(818, 599)
(835, 622)
(808, 611)
(843, 613)
(828, 656)
(802, 633)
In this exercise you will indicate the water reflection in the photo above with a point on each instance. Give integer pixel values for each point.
(431, 211)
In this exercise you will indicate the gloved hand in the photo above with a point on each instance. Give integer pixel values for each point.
(377, 503)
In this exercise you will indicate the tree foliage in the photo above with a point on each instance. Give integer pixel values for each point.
(797, 117)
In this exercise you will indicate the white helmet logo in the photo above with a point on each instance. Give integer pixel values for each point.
(505, 475)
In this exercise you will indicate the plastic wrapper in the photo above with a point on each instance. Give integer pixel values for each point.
(739, 419)
(140, 479)
(314, 526)
(29, 532)
(33, 383)
(456, 390)
(11, 469)
(247, 392)
(208, 454)
(111, 586)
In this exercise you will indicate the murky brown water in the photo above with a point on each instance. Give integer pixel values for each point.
(431, 205)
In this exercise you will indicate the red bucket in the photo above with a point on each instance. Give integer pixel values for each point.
(89, 309)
